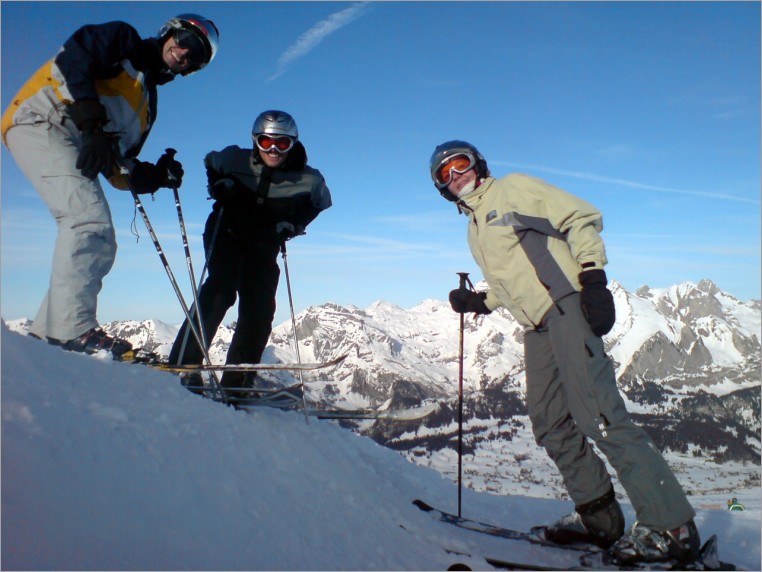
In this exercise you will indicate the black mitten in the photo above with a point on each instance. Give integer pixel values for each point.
(98, 151)
(286, 230)
(149, 178)
(146, 178)
(226, 189)
(597, 301)
(466, 301)
(172, 169)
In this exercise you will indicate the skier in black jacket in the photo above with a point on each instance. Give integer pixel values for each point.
(263, 197)
(87, 112)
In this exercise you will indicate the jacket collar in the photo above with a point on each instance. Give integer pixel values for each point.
(472, 200)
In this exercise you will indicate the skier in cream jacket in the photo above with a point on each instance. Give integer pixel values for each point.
(540, 251)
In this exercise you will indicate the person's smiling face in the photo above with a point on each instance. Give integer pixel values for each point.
(460, 180)
(175, 57)
(272, 158)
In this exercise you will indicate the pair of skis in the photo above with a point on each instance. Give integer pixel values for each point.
(290, 397)
(248, 366)
(153, 360)
(592, 557)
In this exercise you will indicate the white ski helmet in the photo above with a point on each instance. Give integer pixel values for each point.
(445, 152)
(196, 30)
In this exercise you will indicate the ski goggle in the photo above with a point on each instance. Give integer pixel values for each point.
(458, 163)
(280, 144)
(198, 53)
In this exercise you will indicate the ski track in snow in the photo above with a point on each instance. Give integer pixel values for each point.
(112, 466)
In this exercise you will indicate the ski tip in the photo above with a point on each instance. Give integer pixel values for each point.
(139, 356)
(459, 566)
(710, 558)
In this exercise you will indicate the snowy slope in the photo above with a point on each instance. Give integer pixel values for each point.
(110, 466)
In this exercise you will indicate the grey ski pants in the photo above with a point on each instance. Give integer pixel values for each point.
(572, 398)
(85, 247)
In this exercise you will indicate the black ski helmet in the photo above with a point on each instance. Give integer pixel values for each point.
(203, 28)
(449, 149)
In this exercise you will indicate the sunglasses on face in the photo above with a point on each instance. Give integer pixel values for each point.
(280, 144)
(458, 163)
(198, 54)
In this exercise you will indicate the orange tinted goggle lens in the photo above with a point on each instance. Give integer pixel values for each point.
(459, 163)
(282, 144)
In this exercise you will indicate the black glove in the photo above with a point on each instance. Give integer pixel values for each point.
(597, 301)
(148, 178)
(173, 169)
(466, 301)
(225, 189)
(98, 151)
(286, 231)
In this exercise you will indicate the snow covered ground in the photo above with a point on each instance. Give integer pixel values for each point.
(107, 466)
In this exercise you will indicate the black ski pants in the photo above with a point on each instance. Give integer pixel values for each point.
(248, 271)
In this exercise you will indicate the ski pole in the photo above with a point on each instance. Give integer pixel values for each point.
(212, 242)
(189, 263)
(188, 259)
(293, 327)
(186, 246)
(194, 289)
(207, 258)
(170, 274)
(463, 279)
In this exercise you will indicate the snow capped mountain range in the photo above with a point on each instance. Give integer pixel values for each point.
(687, 360)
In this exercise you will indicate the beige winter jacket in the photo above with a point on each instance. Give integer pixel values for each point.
(531, 241)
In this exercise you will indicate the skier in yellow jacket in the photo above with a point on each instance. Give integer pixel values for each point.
(540, 251)
(87, 112)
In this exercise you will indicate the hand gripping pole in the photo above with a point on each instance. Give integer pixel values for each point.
(170, 275)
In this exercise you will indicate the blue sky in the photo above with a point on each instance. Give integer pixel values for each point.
(648, 110)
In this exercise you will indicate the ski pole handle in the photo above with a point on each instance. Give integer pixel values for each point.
(173, 180)
(463, 279)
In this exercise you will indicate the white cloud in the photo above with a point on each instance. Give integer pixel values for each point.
(630, 184)
(312, 37)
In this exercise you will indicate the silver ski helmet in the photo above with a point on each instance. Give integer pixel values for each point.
(195, 32)
(274, 122)
(442, 153)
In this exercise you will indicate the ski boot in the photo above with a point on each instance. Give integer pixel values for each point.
(599, 522)
(193, 381)
(237, 387)
(644, 544)
(94, 340)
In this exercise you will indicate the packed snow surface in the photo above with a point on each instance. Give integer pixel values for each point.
(110, 466)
